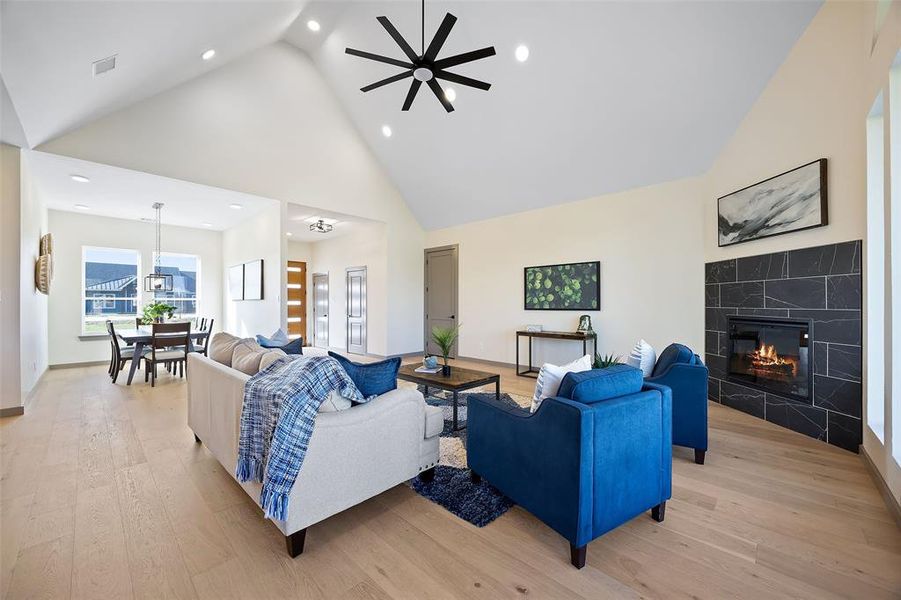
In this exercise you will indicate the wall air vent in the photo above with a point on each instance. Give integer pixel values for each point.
(105, 65)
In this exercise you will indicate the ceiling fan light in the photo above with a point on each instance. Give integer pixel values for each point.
(423, 74)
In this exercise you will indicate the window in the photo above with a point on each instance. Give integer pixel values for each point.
(875, 255)
(185, 271)
(109, 288)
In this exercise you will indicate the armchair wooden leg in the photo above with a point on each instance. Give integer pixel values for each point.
(658, 512)
(427, 476)
(474, 477)
(699, 456)
(577, 555)
(295, 543)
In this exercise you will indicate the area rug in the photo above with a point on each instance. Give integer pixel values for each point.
(478, 503)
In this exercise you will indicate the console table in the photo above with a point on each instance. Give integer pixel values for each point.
(577, 336)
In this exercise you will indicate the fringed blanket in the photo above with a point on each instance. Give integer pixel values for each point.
(280, 407)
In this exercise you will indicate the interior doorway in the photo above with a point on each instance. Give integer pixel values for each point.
(440, 293)
(320, 310)
(297, 300)
(356, 310)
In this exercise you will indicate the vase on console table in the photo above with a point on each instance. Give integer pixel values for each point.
(445, 370)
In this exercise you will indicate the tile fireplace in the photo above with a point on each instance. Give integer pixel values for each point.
(771, 354)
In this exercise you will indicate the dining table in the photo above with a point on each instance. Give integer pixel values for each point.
(142, 336)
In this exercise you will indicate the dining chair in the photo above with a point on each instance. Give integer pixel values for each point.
(169, 343)
(202, 344)
(118, 355)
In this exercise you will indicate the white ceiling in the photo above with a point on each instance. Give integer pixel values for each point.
(47, 50)
(615, 95)
(126, 194)
(299, 227)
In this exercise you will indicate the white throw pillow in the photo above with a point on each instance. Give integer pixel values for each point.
(550, 376)
(335, 402)
(644, 357)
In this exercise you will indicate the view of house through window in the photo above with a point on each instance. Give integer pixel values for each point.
(110, 288)
(185, 270)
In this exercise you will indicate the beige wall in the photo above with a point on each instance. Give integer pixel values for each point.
(649, 242)
(10, 376)
(34, 343)
(815, 106)
(72, 231)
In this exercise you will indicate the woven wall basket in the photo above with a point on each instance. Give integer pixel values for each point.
(43, 272)
(46, 244)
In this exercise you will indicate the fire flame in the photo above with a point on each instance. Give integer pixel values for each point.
(766, 356)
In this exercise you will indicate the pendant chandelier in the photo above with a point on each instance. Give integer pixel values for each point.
(158, 281)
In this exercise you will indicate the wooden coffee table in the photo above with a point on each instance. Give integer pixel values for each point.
(459, 380)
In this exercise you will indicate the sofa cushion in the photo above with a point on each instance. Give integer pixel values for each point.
(371, 379)
(597, 385)
(550, 376)
(642, 357)
(270, 357)
(247, 356)
(673, 354)
(222, 346)
(335, 402)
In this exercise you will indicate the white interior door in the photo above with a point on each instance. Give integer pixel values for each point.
(320, 310)
(356, 310)
(440, 294)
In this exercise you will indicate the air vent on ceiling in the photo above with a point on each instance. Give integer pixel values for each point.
(104, 65)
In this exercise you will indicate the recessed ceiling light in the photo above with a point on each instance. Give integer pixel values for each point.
(289, 234)
(313, 25)
(207, 224)
(82, 207)
(208, 55)
(80, 178)
(522, 53)
(450, 94)
(235, 206)
(386, 131)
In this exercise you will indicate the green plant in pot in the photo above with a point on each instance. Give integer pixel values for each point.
(602, 362)
(444, 338)
(156, 311)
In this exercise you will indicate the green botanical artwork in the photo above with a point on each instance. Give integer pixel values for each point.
(574, 286)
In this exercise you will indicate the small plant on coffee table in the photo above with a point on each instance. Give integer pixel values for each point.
(445, 337)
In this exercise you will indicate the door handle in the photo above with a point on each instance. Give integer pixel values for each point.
(453, 316)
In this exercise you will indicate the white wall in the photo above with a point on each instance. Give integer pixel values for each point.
(815, 106)
(283, 135)
(34, 343)
(649, 242)
(72, 231)
(365, 247)
(260, 237)
(10, 376)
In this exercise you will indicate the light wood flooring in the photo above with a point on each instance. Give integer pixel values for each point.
(105, 495)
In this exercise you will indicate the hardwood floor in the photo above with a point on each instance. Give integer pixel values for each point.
(105, 495)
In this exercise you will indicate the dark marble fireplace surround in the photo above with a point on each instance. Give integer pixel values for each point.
(822, 284)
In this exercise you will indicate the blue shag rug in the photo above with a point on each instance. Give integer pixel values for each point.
(480, 503)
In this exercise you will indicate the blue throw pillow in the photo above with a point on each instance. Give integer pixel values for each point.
(372, 379)
(674, 354)
(597, 385)
(293, 347)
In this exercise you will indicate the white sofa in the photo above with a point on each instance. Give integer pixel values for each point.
(354, 454)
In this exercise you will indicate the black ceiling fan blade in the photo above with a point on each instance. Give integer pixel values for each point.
(440, 37)
(466, 57)
(394, 33)
(378, 58)
(414, 88)
(439, 93)
(448, 76)
(391, 79)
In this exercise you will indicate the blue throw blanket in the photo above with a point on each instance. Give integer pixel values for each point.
(280, 407)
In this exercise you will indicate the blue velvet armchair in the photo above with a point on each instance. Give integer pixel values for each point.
(682, 371)
(587, 461)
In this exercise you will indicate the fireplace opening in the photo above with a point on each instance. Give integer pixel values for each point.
(771, 354)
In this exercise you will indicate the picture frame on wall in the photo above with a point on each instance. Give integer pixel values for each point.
(568, 286)
(236, 282)
(791, 201)
(253, 280)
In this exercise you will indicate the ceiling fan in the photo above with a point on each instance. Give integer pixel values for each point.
(426, 67)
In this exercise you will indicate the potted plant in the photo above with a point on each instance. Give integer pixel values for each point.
(602, 362)
(155, 311)
(445, 337)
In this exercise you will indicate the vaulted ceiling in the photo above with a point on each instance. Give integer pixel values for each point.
(615, 95)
